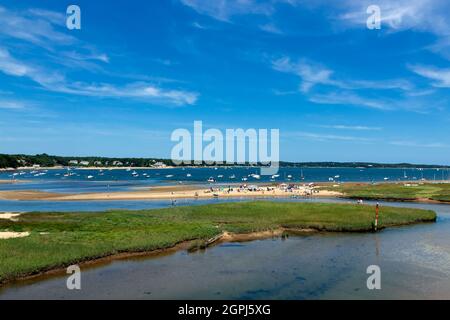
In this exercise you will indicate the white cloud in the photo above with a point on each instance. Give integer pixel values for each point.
(429, 16)
(313, 74)
(441, 77)
(47, 29)
(11, 66)
(419, 144)
(270, 28)
(53, 81)
(35, 26)
(11, 104)
(74, 55)
(327, 137)
(143, 91)
(420, 15)
(348, 98)
(224, 10)
(347, 127)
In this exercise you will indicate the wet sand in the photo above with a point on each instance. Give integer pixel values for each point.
(7, 181)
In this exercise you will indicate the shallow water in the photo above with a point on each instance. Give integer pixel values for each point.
(414, 262)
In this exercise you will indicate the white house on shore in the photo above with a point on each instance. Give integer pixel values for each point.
(159, 165)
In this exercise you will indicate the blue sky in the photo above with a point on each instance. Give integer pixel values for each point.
(138, 70)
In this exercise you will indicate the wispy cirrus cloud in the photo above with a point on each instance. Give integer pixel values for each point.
(440, 77)
(430, 16)
(46, 29)
(312, 74)
(271, 28)
(349, 98)
(420, 15)
(347, 127)
(324, 137)
(412, 143)
(45, 32)
(328, 137)
(56, 82)
(12, 104)
(36, 26)
(224, 10)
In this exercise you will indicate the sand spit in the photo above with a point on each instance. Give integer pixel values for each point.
(175, 192)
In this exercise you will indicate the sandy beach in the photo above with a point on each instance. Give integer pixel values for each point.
(7, 181)
(172, 192)
(9, 216)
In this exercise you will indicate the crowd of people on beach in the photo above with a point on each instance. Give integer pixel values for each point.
(294, 189)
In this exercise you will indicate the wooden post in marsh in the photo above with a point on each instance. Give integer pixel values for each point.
(377, 209)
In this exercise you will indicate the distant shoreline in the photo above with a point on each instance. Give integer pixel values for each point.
(220, 167)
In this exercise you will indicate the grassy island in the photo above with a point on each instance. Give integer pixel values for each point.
(395, 191)
(57, 240)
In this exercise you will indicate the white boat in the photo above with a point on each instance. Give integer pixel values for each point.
(256, 176)
(220, 176)
(337, 176)
(232, 176)
(189, 175)
(211, 179)
(386, 178)
(169, 176)
(90, 177)
(244, 179)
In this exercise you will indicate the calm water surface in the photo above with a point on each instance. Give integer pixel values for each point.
(86, 180)
(414, 261)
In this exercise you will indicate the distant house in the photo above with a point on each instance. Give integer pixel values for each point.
(84, 163)
(97, 163)
(36, 166)
(73, 162)
(117, 163)
(159, 165)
